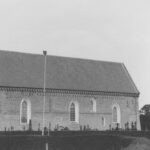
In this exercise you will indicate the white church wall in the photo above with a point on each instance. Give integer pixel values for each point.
(57, 110)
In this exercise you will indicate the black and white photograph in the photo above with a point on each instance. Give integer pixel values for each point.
(74, 75)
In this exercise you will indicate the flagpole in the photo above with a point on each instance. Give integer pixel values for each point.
(44, 91)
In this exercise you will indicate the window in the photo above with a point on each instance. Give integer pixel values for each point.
(93, 102)
(127, 103)
(25, 112)
(74, 112)
(116, 113)
(103, 122)
(0, 106)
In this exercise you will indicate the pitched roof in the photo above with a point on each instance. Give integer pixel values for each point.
(27, 70)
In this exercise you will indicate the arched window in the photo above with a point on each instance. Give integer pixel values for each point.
(116, 113)
(25, 111)
(93, 102)
(127, 103)
(74, 112)
(103, 122)
(0, 106)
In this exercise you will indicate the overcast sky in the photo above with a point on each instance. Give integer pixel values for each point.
(111, 30)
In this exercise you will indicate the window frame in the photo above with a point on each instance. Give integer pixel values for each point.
(103, 121)
(76, 105)
(118, 114)
(94, 105)
(28, 111)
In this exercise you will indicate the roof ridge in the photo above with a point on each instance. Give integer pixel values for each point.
(18, 52)
(68, 57)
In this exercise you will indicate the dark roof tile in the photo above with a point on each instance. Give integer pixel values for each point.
(27, 70)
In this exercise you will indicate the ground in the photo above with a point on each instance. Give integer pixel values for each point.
(82, 140)
(139, 144)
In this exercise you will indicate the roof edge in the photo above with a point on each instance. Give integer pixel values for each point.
(130, 78)
(68, 91)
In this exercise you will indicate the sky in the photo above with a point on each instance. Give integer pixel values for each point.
(110, 30)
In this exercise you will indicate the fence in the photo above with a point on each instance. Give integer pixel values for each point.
(78, 133)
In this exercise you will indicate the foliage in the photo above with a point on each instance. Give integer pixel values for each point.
(145, 121)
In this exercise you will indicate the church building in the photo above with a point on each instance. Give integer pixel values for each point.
(79, 92)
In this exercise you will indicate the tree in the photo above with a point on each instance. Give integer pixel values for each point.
(145, 117)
